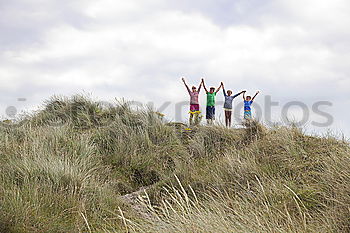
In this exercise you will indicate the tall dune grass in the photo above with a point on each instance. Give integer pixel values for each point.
(76, 166)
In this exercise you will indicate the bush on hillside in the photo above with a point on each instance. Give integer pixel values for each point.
(78, 166)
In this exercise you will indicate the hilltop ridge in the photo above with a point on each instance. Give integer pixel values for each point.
(78, 166)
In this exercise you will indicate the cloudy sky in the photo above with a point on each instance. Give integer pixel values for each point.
(290, 50)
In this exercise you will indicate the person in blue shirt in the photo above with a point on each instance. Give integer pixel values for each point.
(228, 104)
(248, 101)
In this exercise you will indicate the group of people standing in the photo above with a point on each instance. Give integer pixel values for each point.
(210, 108)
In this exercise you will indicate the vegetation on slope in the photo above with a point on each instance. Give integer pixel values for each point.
(73, 167)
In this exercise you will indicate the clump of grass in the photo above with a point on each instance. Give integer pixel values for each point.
(68, 167)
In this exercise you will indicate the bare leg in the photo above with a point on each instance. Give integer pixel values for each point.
(196, 122)
(229, 119)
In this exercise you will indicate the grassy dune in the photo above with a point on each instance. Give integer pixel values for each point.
(77, 166)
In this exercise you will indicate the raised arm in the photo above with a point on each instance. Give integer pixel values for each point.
(223, 88)
(236, 95)
(184, 81)
(200, 86)
(205, 88)
(255, 95)
(217, 90)
(244, 94)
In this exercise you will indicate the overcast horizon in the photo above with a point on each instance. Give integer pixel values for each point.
(290, 50)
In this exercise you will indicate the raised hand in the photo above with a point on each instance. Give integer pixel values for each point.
(255, 95)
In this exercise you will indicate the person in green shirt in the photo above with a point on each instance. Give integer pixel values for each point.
(210, 110)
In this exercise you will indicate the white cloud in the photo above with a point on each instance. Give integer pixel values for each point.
(296, 50)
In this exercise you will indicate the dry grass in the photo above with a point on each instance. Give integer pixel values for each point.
(67, 167)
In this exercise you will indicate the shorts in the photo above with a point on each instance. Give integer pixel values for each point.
(194, 107)
(210, 113)
(228, 113)
(248, 115)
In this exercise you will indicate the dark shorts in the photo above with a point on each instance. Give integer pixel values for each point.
(210, 113)
(228, 114)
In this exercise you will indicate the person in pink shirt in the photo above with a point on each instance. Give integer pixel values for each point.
(194, 101)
